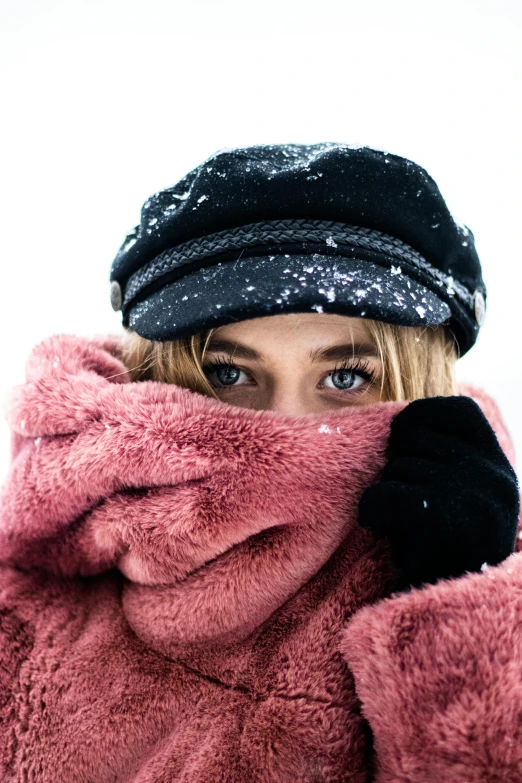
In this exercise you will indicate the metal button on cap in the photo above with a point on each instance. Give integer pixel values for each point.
(479, 307)
(116, 295)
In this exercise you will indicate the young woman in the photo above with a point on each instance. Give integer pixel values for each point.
(262, 534)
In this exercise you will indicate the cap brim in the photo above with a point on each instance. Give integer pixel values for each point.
(267, 285)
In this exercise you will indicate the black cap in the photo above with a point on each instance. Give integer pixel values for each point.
(327, 227)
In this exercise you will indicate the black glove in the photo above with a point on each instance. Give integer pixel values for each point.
(448, 499)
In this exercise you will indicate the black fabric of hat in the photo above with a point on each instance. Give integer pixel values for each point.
(269, 229)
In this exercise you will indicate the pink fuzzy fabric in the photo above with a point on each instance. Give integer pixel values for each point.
(185, 595)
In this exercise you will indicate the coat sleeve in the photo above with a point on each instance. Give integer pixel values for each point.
(438, 671)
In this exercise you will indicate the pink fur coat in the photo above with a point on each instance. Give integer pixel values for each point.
(186, 596)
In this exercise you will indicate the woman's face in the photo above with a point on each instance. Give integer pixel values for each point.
(294, 363)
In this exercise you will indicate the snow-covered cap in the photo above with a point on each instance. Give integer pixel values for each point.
(327, 227)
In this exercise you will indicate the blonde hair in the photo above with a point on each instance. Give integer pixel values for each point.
(417, 361)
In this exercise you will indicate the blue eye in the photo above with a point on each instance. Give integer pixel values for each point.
(228, 375)
(345, 379)
(350, 376)
(222, 373)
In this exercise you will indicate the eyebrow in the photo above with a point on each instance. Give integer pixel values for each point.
(333, 353)
(346, 351)
(233, 348)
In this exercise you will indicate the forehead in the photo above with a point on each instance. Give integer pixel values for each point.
(310, 327)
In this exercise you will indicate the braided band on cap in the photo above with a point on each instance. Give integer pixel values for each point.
(307, 237)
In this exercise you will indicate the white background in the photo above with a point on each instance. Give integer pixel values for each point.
(106, 101)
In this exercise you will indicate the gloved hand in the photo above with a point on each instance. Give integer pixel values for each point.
(448, 499)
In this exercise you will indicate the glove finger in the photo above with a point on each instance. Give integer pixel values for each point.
(441, 427)
(388, 506)
(418, 472)
(457, 416)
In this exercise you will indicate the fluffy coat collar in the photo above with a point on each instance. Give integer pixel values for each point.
(183, 571)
